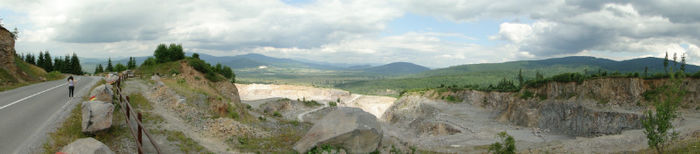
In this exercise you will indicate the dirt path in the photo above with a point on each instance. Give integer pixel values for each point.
(300, 117)
(174, 123)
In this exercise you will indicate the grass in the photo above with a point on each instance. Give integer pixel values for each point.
(683, 146)
(33, 75)
(71, 130)
(281, 141)
(162, 69)
(140, 102)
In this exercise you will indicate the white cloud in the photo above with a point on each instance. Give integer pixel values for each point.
(352, 30)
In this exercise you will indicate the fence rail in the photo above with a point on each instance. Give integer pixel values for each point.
(128, 112)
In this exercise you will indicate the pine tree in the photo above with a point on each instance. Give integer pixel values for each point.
(109, 65)
(57, 64)
(48, 62)
(99, 69)
(683, 63)
(66, 64)
(646, 70)
(41, 61)
(666, 63)
(75, 65)
(520, 78)
(131, 64)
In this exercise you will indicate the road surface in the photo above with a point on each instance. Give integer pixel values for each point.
(28, 113)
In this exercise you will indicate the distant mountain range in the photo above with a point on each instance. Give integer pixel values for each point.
(256, 60)
(545, 66)
(564, 64)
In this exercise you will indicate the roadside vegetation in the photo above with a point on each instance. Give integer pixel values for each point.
(71, 129)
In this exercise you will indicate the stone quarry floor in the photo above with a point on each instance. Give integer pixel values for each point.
(478, 128)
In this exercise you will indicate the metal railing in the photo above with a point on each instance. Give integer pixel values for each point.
(128, 112)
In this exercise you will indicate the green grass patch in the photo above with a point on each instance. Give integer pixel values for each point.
(281, 141)
(140, 102)
(70, 130)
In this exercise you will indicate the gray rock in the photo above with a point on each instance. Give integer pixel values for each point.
(86, 146)
(350, 128)
(96, 116)
(155, 78)
(111, 78)
(103, 93)
(577, 120)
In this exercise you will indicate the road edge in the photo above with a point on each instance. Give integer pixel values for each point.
(36, 141)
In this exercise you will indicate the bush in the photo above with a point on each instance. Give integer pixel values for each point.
(506, 146)
(332, 104)
(696, 75)
(527, 94)
(569, 77)
(277, 114)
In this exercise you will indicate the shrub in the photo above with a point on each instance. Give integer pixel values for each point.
(277, 114)
(696, 75)
(332, 104)
(527, 94)
(506, 146)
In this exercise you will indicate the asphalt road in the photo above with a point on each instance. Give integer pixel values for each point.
(28, 113)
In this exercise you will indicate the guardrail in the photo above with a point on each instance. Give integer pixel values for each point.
(124, 102)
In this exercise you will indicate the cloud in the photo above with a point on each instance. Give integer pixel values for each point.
(222, 25)
(354, 30)
(609, 27)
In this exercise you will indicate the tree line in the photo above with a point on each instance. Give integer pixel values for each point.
(65, 64)
(130, 65)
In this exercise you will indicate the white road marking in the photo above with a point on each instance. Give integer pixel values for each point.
(20, 100)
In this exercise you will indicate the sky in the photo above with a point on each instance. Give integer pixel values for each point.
(435, 33)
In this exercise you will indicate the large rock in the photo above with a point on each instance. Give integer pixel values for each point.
(7, 51)
(86, 146)
(103, 93)
(97, 116)
(111, 78)
(350, 128)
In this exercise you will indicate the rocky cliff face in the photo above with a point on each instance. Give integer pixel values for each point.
(7, 50)
(592, 108)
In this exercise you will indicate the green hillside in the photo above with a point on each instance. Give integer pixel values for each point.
(490, 73)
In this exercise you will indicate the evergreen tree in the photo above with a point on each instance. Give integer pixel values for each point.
(520, 78)
(41, 61)
(75, 65)
(646, 70)
(132, 63)
(66, 65)
(99, 69)
(30, 59)
(666, 63)
(109, 65)
(683, 63)
(57, 64)
(48, 62)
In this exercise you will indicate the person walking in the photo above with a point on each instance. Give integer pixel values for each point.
(71, 86)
